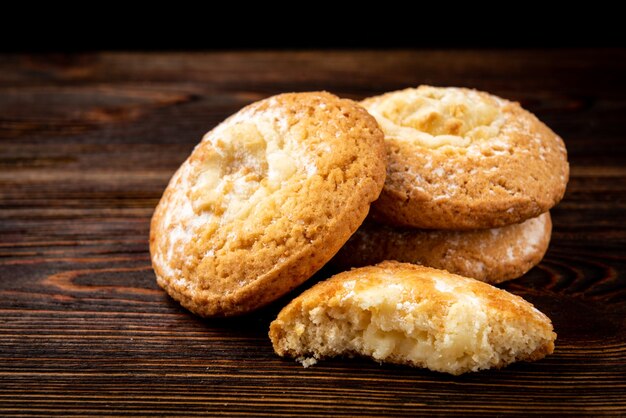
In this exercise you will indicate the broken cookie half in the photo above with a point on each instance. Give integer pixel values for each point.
(407, 314)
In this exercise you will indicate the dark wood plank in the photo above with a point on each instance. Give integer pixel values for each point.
(87, 144)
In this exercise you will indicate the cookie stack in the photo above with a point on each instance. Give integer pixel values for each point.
(459, 180)
(470, 180)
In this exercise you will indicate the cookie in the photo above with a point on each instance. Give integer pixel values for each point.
(489, 255)
(413, 315)
(464, 159)
(265, 200)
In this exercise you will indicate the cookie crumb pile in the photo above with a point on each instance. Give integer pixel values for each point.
(458, 180)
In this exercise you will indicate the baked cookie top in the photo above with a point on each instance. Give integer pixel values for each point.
(264, 200)
(407, 314)
(490, 255)
(464, 159)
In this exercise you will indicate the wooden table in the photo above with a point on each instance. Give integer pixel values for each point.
(87, 145)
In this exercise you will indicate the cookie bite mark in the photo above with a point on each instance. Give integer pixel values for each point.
(412, 315)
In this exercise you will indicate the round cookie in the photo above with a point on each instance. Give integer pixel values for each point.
(490, 255)
(418, 316)
(464, 159)
(265, 200)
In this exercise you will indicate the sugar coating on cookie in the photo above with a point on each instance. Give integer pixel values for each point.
(490, 255)
(464, 159)
(418, 316)
(265, 200)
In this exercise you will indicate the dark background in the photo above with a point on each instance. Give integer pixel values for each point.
(181, 26)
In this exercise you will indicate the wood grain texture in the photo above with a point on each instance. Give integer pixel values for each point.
(87, 145)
